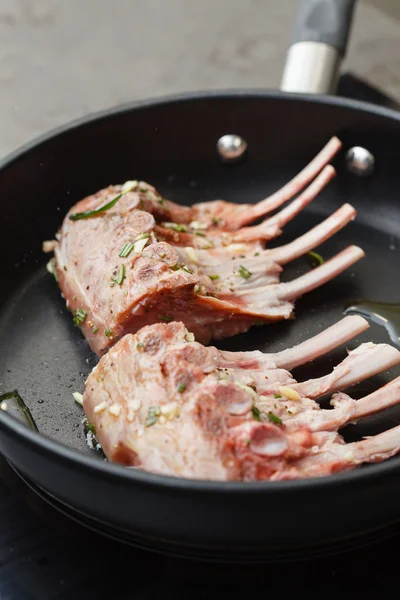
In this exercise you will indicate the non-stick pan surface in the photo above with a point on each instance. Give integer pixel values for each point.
(172, 144)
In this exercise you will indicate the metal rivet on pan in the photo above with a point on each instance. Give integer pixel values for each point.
(360, 161)
(231, 147)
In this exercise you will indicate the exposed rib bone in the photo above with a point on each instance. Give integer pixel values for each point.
(289, 212)
(322, 274)
(374, 449)
(363, 362)
(289, 190)
(320, 344)
(346, 410)
(271, 227)
(386, 396)
(313, 238)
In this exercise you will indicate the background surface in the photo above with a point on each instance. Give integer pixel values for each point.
(62, 59)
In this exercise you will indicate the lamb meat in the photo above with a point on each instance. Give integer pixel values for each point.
(119, 270)
(162, 402)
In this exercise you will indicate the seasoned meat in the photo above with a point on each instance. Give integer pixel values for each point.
(121, 266)
(162, 402)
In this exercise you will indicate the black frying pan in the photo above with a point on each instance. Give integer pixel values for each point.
(172, 144)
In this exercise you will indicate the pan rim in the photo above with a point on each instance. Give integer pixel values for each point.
(113, 471)
(61, 452)
(228, 94)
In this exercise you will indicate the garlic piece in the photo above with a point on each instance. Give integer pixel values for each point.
(115, 409)
(289, 393)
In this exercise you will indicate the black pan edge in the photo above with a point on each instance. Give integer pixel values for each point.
(66, 455)
(356, 105)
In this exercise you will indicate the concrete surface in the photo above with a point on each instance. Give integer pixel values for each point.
(60, 59)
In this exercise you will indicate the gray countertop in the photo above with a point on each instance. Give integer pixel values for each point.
(62, 59)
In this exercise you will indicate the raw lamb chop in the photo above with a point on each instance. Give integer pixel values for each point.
(118, 273)
(162, 402)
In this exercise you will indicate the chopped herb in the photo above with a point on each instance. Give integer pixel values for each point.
(152, 416)
(184, 268)
(95, 329)
(216, 220)
(143, 189)
(80, 316)
(91, 428)
(139, 345)
(142, 236)
(314, 259)
(176, 226)
(199, 233)
(213, 277)
(160, 200)
(165, 318)
(126, 250)
(92, 213)
(257, 254)
(181, 388)
(119, 278)
(256, 413)
(274, 418)
(245, 273)
(121, 275)
(277, 396)
(51, 267)
(108, 332)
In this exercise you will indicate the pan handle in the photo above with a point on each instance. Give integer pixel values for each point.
(318, 46)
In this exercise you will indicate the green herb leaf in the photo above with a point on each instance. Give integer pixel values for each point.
(108, 332)
(93, 213)
(119, 278)
(165, 318)
(274, 418)
(152, 416)
(277, 396)
(200, 234)
(95, 329)
(314, 259)
(175, 226)
(121, 275)
(126, 250)
(181, 388)
(91, 428)
(142, 236)
(245, 273)
(214, 277)
(139, 345)
(80, 315)
(216, 220)
(256, 413)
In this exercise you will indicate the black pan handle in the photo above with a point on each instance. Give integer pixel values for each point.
(318, 46)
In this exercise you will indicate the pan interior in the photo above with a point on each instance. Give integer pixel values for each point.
(44, 356)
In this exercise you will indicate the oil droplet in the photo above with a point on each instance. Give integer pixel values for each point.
(17, 408)
(385, 314)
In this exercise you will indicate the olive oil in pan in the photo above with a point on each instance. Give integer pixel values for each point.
(13, 404)
(385, 314)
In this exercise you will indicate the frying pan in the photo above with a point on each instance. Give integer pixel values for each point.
(172, 144)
